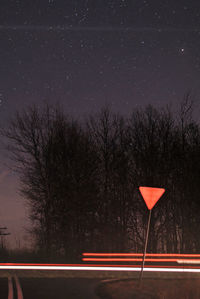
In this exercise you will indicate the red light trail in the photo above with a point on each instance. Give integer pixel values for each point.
(141, 254)
(137, 257)
(128, 260)
(184, 259)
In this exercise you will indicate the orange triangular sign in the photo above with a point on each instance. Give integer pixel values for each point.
(151, 195)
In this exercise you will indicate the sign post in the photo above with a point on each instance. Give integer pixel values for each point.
(151, 196)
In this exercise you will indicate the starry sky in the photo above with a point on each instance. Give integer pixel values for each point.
(86, 54)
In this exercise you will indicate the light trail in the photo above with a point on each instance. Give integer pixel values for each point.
(95, 268)
(188, 261)
(57, 28)
(128, 260)
(141, 254)
(93, 28)
(116, 257)
(137, 257)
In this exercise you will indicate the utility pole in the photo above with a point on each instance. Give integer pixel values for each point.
(3, 233)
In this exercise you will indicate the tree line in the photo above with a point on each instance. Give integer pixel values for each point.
(80, 178)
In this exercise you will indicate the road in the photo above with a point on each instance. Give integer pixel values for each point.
(49, 288)
(4, 288)
(59, 288)
(60, 281)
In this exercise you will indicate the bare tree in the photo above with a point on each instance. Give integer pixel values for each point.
(56, 165)
(81, 180)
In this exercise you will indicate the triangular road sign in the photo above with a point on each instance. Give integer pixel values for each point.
(151, 195)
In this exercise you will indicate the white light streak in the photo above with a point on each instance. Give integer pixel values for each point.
(188, 261)
(96, 268)
(100, 28)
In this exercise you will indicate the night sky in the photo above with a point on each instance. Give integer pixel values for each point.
(85, 54)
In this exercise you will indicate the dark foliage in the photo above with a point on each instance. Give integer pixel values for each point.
(81, 181)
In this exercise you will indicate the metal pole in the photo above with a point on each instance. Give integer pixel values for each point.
(145, 248)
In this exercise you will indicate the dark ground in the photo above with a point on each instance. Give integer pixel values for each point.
(3, 288)
(59, 288)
